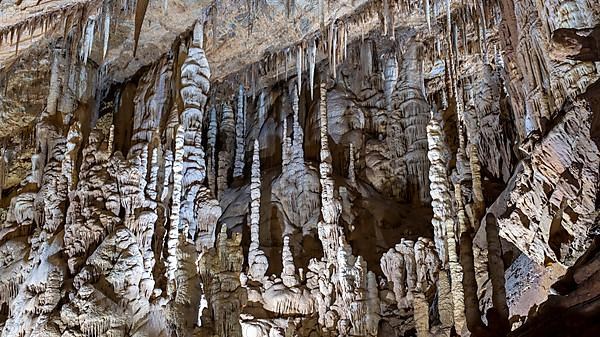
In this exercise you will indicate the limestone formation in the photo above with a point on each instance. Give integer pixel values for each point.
(257, 261)
(240, 133)
(323, 169)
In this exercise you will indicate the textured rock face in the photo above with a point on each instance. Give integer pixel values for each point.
(309, 168)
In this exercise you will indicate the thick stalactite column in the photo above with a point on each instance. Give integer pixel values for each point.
(414, 115)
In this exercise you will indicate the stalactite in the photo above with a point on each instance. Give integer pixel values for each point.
(334, 47)
(428, 13)
(88, 39)
(478, 201)
(322, 14)
(312, 55)
(346, 32)
(298, 136)
(262, 109)
(390, 75)
(483, 31)
(227, 136)
(286, 61)
(386, 17)
(212, 143)
(55, 79)
(299, 54)
(106, 34)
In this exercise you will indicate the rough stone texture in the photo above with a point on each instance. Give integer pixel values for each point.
(309, 168)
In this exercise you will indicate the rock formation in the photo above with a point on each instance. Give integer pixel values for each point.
(323, 169)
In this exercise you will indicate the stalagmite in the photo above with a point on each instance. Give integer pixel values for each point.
(329, 232)
(257, 260)
(496, 271)
(412, 268)
(443, 224)
(351, 168)
(421, 309)
(240, 134)
(195, 84)
(288, 275)
(111, 138)
(173, 236)
(439, 190)
(2, 170)
(285, 146)
(152, 187)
